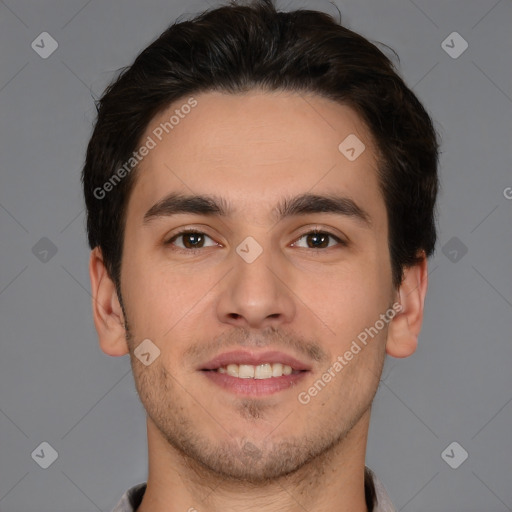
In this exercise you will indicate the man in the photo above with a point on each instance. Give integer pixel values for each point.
(260, 189)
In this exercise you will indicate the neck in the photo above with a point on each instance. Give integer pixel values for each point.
(332, 482)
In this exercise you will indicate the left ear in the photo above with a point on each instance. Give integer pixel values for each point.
(405, 327)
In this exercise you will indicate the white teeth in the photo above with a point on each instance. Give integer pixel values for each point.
(232, 370)
(262, 371)
(246, 371)
(277, 370)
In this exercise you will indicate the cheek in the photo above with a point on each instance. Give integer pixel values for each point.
(164, 300)
(153, 297)
(349, 300)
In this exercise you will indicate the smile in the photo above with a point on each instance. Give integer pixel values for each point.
(261, 371)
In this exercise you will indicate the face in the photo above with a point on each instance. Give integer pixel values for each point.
(261, 282)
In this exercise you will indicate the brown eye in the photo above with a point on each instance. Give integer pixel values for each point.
(319, 240)
(190, 240)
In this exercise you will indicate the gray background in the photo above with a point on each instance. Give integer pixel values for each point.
(56, 385)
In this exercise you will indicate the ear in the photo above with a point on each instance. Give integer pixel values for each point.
(405, 327)
(106, 309)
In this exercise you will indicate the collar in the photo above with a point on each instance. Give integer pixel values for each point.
(377, 499)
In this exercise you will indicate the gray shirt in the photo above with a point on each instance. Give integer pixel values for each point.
(132, 498)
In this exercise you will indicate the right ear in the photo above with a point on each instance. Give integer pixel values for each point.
(106, 309)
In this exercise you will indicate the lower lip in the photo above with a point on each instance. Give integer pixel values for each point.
(254, 387)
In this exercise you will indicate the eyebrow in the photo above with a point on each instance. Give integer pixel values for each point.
(178, 203)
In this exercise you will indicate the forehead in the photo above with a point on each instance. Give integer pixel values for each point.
(257, 145)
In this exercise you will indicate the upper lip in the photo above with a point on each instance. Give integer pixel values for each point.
(255, 359)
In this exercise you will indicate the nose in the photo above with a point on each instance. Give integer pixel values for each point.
(257, 294)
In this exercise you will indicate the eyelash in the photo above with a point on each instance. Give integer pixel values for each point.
(198, 232)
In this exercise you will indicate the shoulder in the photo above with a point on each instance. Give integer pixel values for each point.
(383, 501)
(131, 499)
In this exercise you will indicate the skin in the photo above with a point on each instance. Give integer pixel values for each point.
(253, 150)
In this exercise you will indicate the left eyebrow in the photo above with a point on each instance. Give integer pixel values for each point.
(304, 204)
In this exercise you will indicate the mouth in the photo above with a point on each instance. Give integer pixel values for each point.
(261, 371)
(249, 373)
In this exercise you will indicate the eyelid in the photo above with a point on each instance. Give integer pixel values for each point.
(341, 238)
